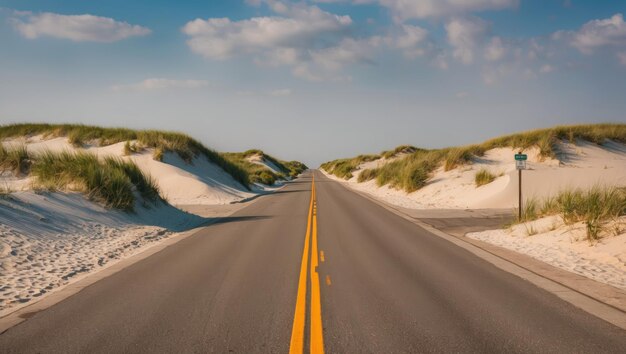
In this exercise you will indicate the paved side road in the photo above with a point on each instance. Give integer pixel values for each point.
(386, 286)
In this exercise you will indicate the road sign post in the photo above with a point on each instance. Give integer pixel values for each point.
(520, 164)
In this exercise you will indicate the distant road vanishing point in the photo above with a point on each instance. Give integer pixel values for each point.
(313, 267)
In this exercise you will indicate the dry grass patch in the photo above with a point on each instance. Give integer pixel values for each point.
(483, 176)
(596, 207)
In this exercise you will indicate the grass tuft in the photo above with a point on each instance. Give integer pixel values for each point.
(367, 175)
(483, 177)
(15, 159)
(183, 145)
(259, 173)
(110, 181)
(413, 171)
(157, 154)
(343, 168)
(595, 207)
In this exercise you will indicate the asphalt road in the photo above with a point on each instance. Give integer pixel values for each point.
(381, 285)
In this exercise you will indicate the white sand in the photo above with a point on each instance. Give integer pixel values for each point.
(581, 166)
(49, 240)
(199, 183)
(566, 247)
(258, 159)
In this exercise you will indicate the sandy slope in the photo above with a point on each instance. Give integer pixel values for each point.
(199, 183)
(578, 166)
(50, 239)
(259, 160)
(583, 165)
(566, 247)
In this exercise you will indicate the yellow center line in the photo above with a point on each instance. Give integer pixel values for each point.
(322, 256)
(316, 344)
(317, 336)
(297, 332)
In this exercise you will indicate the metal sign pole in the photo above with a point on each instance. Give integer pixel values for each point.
(520, 164)
(520, 194)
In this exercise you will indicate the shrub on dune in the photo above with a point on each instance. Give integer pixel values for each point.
(15, 159)
(343, 168)
(111, 181)
(261, 174)
(595, 207)
(78, 135)
(367, 175)
(483, 176)
(413, 171)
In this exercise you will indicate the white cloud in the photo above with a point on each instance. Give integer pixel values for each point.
(161, 84)
(495, 50)
(324, 64)
(314, 43)
(610, 32)
(221, 38)
(408, 9)
(79, 28)
(412, 41)
(462, 94)
(464, 35)
(348, 51)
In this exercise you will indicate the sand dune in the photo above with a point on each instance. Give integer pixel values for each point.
(260, 160)
(50, 239)
(581, 165)
(201, 182)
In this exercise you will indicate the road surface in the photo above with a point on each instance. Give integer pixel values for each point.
(365, 281)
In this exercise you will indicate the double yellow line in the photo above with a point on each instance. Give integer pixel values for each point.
(316, 339)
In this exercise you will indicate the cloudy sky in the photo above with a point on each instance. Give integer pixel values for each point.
(318, 79)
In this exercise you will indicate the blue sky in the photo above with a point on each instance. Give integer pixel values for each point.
(315, 80)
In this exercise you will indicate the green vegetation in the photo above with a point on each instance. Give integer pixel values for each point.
(595, 207)
(79, 135)
(132, 148)
(110, 181)
(413, 171)
(410, 173)
(343, 168)
(157, 153)
(402, 149)
(367, 175)
(295, 168)
(15, 159)
(259, 173)
(483, 177)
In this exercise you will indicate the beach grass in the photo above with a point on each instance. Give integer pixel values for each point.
(594, 206)
(343, 168)
(259, 173)
(79, 135)
(15, 159)
(483, 176)
(110, 181)
(413, 171)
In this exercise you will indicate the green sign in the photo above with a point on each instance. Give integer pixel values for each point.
(521, 157)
